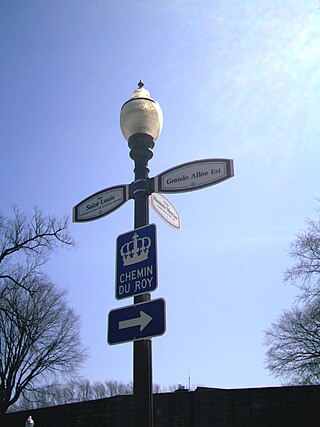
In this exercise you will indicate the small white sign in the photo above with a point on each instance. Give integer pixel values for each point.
(165, 210)
(101, 203)
(193, 175)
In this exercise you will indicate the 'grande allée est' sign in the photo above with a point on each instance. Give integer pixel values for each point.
(193, 175)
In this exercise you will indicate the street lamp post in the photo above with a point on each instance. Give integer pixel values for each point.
(141, 124)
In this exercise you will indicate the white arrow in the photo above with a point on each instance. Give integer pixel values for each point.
(143, 320)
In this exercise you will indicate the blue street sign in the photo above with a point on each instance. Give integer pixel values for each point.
(136, 322)
(136, 262)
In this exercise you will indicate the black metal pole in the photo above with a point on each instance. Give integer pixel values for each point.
(141, 152)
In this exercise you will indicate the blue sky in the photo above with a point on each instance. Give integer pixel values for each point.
(236, 80)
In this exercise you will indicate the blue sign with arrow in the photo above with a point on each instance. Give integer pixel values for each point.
(136, 322)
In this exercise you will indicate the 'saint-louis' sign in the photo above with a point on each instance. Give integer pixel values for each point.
(193, 175)
(101, 203)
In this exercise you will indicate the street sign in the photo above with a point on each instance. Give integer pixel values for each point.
(136, 322)
(101, 203)
(165, 210)
(193, 175)
(136, 262)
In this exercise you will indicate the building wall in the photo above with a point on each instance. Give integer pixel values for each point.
(205, 407)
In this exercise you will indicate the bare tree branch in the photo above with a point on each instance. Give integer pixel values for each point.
(39, 334)
(294, 345)
(35, 235)
(305, 273)
(293, 341)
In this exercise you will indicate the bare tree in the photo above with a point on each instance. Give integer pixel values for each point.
(115, 388)
(294, 345)
(305, 272)
(84, 390)
(99, 390)
(78, 391)
(26, 242)
(72, 391)
(294, 340)
(39, 337)
(39, 334)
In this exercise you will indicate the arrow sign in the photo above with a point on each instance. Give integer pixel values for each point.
(101, 203)
(142, 321)
(136, 322)
(193, 175)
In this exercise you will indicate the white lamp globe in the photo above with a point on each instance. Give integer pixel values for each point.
(141, 114)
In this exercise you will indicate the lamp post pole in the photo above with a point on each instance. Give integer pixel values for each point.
(142, 350)
(141, 124)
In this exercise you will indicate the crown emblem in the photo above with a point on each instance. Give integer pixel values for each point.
(136, 250)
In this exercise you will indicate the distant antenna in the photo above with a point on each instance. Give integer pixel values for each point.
(189, 380)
